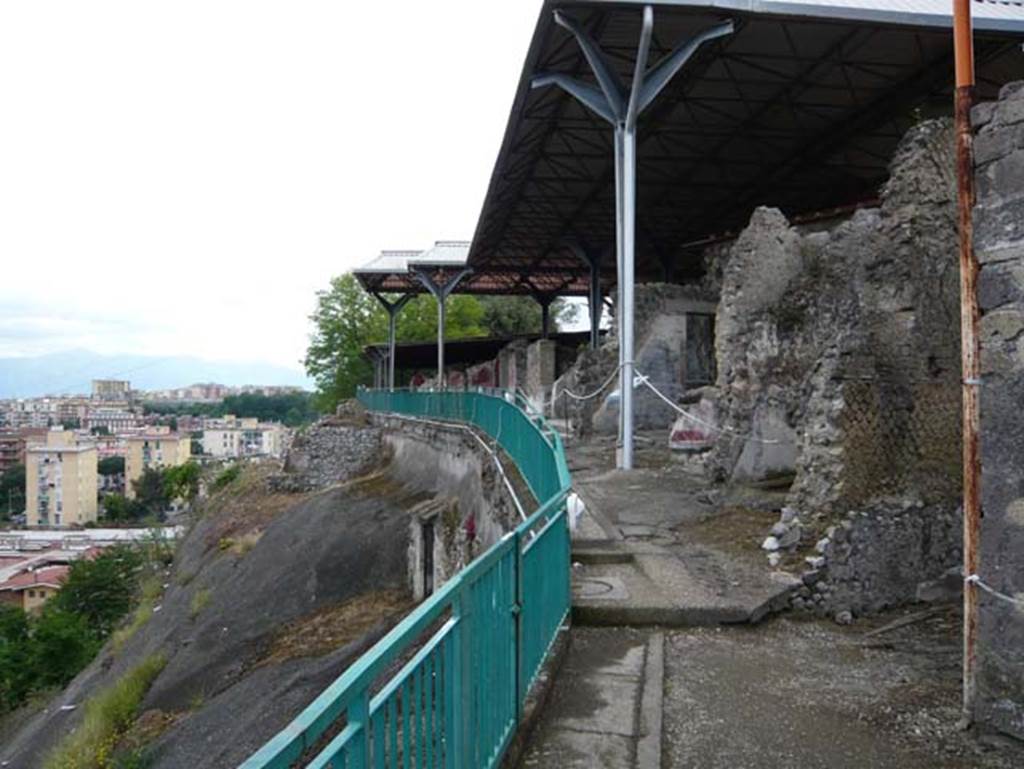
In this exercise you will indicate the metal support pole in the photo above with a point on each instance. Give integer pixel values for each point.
(440, 289)
(392, 308)
(621, 107)
(619, 253)
(544, 300)
(595, 304)
(441, 313)
(594, 300)
(969, 343)
(628, 275)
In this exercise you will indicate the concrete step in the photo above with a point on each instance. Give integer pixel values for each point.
(624, 583)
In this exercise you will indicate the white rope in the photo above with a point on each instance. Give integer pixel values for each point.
(974, 579)
(588, 396)
(644, 379)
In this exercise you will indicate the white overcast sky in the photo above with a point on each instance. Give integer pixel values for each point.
(181, 177)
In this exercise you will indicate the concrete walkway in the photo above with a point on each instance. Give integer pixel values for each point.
(607, 704)
(780, 695)
(653, 549)
(684, 674)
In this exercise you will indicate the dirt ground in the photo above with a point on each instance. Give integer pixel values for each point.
(808, 694)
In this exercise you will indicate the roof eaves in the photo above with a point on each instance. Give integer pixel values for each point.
(988, 16)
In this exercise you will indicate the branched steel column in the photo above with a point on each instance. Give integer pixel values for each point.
(440, 290)
(392, 309)
(621, 107)
(970, 348)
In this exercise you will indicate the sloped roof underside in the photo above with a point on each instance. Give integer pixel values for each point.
(394, 272)
(801, 108)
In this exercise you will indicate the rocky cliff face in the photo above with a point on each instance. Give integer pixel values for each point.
(272, 595)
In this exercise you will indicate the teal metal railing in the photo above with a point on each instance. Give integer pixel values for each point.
(474, 647)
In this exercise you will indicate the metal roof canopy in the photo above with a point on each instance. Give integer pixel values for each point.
(801, 108)
(394, 272)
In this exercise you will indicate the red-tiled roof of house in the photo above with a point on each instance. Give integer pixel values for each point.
(51, 576)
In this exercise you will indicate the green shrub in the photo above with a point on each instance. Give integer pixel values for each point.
(226, 476)
(108, 716)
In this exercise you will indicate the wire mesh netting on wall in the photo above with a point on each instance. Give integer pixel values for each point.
(901, 438)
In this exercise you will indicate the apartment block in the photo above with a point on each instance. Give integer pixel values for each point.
(111, 389)
(60, 481)
(234, 437)
(157, 448)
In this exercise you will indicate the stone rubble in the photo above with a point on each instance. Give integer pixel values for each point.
(334, 450)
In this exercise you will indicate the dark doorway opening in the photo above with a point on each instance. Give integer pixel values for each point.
(427, 539)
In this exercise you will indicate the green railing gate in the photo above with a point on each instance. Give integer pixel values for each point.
(456, 701)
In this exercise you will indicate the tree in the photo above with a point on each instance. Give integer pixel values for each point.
(100, 430)
(100, 589)
(150, 496)
(111, 466)
(116, 507)
(347, 319)
(15, 676)
(182, 481)
(12, 491)
(62, 644)
(517, 315)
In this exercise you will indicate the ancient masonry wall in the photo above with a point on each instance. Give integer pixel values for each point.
(334, 450)
(878, 558)
(660, 312)
(464, 496)
(838, 363)
(999, 244)
(455, 489)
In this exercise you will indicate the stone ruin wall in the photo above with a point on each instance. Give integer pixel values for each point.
(838, 353)
(660, 311)
(999, 245)
(450, 477)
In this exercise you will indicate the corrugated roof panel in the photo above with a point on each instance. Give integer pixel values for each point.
(388, 261)
(448, 252)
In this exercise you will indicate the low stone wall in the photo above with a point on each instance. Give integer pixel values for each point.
(332, 451)
(462, 492)
(876, 559)
(999, 243)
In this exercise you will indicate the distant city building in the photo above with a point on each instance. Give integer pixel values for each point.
(211, 392)
(156, 449)
(232, 437)
(33, 412)
(34, 563)
(60, 481)
(113, 417)
(14, 442)
(111, 390)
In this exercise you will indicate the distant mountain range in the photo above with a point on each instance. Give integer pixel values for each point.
(72, 372)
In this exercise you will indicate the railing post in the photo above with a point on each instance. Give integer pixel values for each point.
(462, 681)
(359, 716)
(518, 613)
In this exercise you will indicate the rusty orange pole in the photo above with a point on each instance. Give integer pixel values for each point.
(963, 50)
